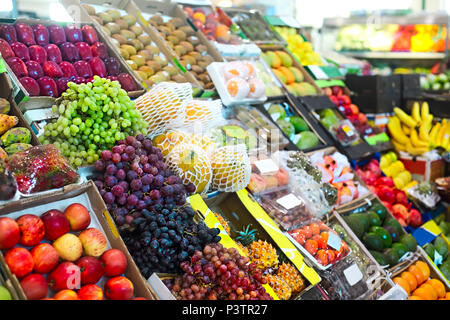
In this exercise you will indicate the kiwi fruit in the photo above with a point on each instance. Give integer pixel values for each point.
(131, 50)
(170, 26)
(161, 61)
(196, 55)
(203, 64)
(165, 75)
(144, 39)
(140, 60)
(105, 17)
(209, 85)
(90, 10)
(137, 44)
(190, 59)
(154, 65)
(189, 47)
(122, 23)
(106, 30)
(197, 69)
(207, 59)
(113, 27)
(137, 30)
(178, 78)
(188, 31)
(127, 34)
(120, 38)
(184, 63)
(115, 42)
(177, 22)
(153, 23)
(165, 30)
(179, 34)
(201, 48)
(157, 19)
(147, 69)
(146, 54)
(171, 70)
(204, 77)
(100, 21)
(142, 74)
(157, 78)
(125, 54)
(114, 14)
(173, 39)
(180, 50)
(152, 49)
(193, 40)
(132, 64)
(130, 20)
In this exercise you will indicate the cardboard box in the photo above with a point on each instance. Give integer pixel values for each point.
(88, 195)
(423, 169)
(26, 102)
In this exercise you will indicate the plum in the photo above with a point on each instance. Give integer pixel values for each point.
(57, 34)
(25, 34)
(69, 52)
(8, 33)
(38, 54)
(17, 66)
(48, 87)
(41, 34)
(78, 80)
(112, 66)
(30, 85)
(84, 50)
(61, 84)
(21, 51)
(126, 82)
(34, 69)
(89, 34)
(53, 53)
(68, 69)
(99, 50)
(98, 67)
(73, 33)
(5, 49)
(83, 69)
(52, 69)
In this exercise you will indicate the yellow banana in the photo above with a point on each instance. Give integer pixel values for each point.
(415, 151)
(425, 110)
(441, 133)
(398, 146)
(434, 133)
(396, 130)
(416, 142)
(415, 112)
(424, 129)
(406, 130)
(446, 138)
(405, 118)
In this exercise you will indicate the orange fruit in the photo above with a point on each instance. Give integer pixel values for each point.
(425, 269)
(431, 290)
(417, 273)
(408, 276)
(415, 298)
(402, 283)
(422, 293)
(438, 286)
(447, 296)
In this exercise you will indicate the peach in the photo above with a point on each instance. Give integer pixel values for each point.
(93, 241)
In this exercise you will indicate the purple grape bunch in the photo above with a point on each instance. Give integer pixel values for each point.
(133, 176)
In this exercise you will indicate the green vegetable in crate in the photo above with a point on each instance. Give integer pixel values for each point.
(400, 248)
(409, 241)
(393, 232)
(374, 219)
(391, 256)
(445, 227)
(328, 118)
(277, 111)
(286, 127)
(5, 106)
(307, 140)
(430, 249)
(445, 271)
(379, 209)
(383, 234)
(355, 224)
(373, 241)
(16, 147)
(394, 223)
(379, 257)
(364, 218)
(299, 124)
(16, 135)
(441, 246)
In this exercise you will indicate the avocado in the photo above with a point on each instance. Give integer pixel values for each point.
(409, 241)
(393, 222)
(373, 242)
(299, 124)
(374, 219)
(364, 220)
(400, 248)
(383, 234)
(393, 232)
(445, 269)
(379, 209)
(441, 246)
(444, 227)
(379, 257)
(429, 249)
(391, 256)
(356, 225)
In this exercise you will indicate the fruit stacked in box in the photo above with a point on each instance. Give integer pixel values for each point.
(292, 124)
(135, 46)
(341, 129)
(266, 174)
(61, 255)
(380, 233)
(46, 58)
(286, 71)
(438, 252)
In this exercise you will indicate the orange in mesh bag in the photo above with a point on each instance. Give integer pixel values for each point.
(203, 114)
(192, 164)
(163, 106)
(231, 168)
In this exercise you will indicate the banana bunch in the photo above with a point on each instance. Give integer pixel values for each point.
(416, 133)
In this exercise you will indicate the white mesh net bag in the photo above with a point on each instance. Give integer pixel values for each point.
(231, 168)
(163, 106)
(201, 115)
(192, 164)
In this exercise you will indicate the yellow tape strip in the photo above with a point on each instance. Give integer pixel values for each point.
(111, 224)
(144, 22)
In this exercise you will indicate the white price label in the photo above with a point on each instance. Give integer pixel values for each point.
(289, 201)
(266, 166)
(353, 274)
(319, 74)
(334, 241)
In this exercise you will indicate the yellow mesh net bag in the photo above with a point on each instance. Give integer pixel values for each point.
(203, 114)
(163, 106)
(168, 140)
(192, 164)
(231, 168)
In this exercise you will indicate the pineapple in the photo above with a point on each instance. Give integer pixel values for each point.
(246, 236)
(223, 222)
(291, 275)
(279, 286)
(263, 254)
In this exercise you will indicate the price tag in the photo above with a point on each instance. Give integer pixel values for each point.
(266, 166)
(353, 274)
(334, 241)
(289, 201)
(348, 131)
(318, 73)
(437, 258)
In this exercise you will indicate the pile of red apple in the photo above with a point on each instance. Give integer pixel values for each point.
(351, 111)
(44, 58)
(59, 251)
(395, 200)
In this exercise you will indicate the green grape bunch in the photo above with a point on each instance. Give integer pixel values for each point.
(93, 116)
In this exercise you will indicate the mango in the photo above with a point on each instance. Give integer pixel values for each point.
(16, 147)
(4, 106)
(275, 60)
(286, 60)
(3, 154)
(297, 74)
(16, 135)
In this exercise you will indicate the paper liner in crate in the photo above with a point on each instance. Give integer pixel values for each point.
(41, 168)
(237, 82)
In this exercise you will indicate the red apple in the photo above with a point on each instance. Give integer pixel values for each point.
(34, 286)
(9, 233)
(19, 261)
(93, 241)
(45, 258)
(78, 216)
(415, 218)
(66, 294)
(139, 298)
(31, 229)
(119, 288)
(55, 223)
(91, 270)
(66, 275)
(90, 292)
(114, 262)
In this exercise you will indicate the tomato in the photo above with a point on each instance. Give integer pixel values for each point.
(311, 246)
(322, 257)
(308, 232)
(315, 229)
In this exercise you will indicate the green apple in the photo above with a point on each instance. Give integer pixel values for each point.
(4, 294)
